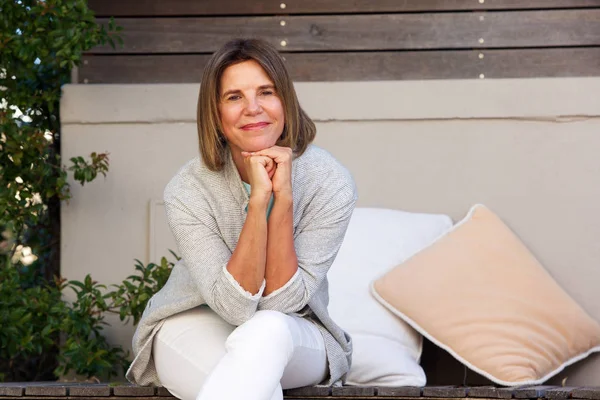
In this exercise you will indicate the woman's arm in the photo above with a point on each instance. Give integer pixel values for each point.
(231, 283)
(282, 263)
(316, 245)
(247, 263)
(205, 255)
(281, 260)
(297, 266)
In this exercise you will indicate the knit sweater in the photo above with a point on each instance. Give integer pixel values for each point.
(206, 211)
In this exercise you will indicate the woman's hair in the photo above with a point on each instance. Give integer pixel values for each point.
(298, 131)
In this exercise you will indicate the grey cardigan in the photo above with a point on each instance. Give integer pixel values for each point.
(206, 211)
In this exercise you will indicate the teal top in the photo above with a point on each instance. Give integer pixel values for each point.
(248, 189)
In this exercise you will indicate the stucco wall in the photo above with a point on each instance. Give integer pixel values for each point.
(525, 148)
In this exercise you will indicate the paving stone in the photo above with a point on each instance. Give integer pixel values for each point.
(353, 391)
(13, 391)
(55, 391)
(505, 392)
(444, 391)
(559, 393)
(531, 392)
(592, 393)
(40, 383)
(133, 391)
(35, 390)
(90, 391)
(405, 391)
(163, 392)
(307, 391)
(489, 392)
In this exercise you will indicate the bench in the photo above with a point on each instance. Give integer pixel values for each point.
(61, 390)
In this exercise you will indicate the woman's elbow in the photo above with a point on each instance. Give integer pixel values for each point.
(234, 314)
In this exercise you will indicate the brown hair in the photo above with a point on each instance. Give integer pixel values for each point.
(298, 131)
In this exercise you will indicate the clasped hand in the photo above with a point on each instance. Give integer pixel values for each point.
(270, 171)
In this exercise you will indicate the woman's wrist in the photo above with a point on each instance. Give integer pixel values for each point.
(283, 204)
(259, 201)
(283, 195)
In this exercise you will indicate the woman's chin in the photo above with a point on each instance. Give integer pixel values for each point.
(254, 147)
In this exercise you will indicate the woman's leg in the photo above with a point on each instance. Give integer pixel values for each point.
(267, 352)
(187, 348)
(308, 365)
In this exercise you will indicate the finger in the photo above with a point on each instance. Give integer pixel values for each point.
(263, 160)
(266, 162)
(269, 151)
(271, 172)
(271, 167)
(279, 154)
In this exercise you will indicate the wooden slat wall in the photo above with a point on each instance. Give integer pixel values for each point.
(154, 8)
(327, 40)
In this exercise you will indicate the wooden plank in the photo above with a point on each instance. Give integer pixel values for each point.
(363, 66)
(153, 8)
(302, 66)
(532, 63)
(364, 32)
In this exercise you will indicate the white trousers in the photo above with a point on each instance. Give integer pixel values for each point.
(200, 356)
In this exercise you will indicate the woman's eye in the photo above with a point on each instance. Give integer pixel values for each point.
(234, 97)
(267, 92)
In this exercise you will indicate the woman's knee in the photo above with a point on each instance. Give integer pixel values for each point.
(266, 329)
(187, 348)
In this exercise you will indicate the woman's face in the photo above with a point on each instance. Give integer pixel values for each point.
(251, 111)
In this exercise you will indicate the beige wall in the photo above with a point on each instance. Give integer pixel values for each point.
(527, 148)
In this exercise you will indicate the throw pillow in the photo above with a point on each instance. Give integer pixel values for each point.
(478, 293)
(386, 349)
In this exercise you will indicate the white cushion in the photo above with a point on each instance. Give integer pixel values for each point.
(387, 351)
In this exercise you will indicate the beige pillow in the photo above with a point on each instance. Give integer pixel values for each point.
(478, 293)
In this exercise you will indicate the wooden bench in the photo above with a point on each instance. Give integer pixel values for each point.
(64, 391)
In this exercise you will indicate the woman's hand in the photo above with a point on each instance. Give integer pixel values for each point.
(260, 169)
(282, 176)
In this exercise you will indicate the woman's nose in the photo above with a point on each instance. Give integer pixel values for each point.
(253, 106)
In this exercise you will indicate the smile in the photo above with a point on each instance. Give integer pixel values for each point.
(257, 126)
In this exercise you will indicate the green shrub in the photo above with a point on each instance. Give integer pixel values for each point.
(36, 322)
(40, 42)
(41, 336)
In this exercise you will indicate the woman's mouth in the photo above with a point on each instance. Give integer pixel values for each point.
(256, 126)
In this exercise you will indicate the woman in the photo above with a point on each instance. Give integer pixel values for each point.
(258, 220)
